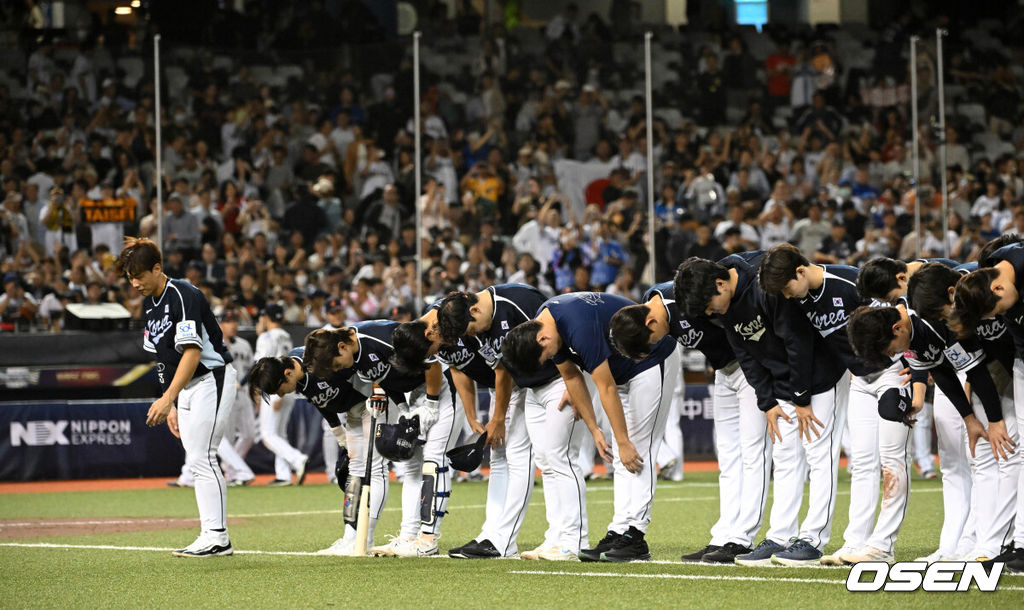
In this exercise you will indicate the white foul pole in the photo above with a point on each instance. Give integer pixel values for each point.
(159, 145)
(913, 131)
(939, 33)
(649, 273)
(418, 166)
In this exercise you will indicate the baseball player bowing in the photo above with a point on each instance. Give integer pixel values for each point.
(995, 466)
(197, 379)
(741, 438)
(996, 289)
(780, 356)
(333, 398)
(366, 348)
(484, 319)
(879, 399)
(572, 330)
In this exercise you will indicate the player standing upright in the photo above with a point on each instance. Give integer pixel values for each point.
(197, 379)
(274, 342)
(741, 439)
(241, 431)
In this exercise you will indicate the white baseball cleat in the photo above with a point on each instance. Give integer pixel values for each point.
(342, 547)
(932, 558)
(867, 553)
(550, 553)
(422, 546)
(300, 472)
(836, 559)
(393, 547)
(208, 544)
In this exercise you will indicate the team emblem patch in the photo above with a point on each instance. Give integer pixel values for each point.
(684, 324)
(460, 344)
(838, 302)
(910, 354)
(167, 309)
(504, 325)
(373, 358)
(322, 385)
(186, 330)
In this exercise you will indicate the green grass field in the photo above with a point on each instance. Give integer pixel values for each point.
(274, 530)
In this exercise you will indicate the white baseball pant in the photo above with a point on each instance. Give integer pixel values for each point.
(1018, 403)
(274, 434)
(818, 459)
(672, 445)
(994, 482)
(957, 534)
(510, 485)
(922, 438)
(204, 407)
(556, 436)
(645, 405)
(878, 450)
(744, 459)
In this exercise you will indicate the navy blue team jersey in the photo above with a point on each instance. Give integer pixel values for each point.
(1014, 317)
(178, 318)
(774, 342)
(373, 360)
(332, 396)
(582, 319)
(935, 350)
(464, 356)
(996, 340)
(698, 333)
(829, 309)
(514, 304)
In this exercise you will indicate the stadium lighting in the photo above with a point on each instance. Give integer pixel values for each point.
(123, 10)
(136, 4)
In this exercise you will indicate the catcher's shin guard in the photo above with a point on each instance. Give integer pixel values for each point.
(353, 488)
(434, 494)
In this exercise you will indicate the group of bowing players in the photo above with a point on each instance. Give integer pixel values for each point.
(801, 353)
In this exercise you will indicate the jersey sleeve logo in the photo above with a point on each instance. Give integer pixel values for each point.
(186, 331)
(837, 301)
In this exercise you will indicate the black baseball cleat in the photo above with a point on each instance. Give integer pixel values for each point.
(206, 547)
(630, 546)
(606, 544)
(483, 549)
(1008, 554)
(1016, 565)
(699, 555)
(725, 554)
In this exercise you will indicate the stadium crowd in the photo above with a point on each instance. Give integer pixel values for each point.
(300, 189)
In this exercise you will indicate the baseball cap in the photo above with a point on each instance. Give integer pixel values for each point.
(229, 315)
(333, 304)
(273, 311)
(893, 404)
(11, 277)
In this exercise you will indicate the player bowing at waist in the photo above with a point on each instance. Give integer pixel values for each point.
(366, 348)
(333, 397)
(744, 455)
(573, 331)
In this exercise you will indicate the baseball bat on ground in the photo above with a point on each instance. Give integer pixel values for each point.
(363, 519)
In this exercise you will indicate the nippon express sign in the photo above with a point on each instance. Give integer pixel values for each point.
(83, 439)
(44, 433)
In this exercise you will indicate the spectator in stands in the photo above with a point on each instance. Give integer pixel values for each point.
(181, 229)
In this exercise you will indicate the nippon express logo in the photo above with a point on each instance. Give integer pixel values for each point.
(46, 433)
(943, 576)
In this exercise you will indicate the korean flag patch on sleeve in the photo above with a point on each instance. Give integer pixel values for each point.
(186, 331)
(837, 301)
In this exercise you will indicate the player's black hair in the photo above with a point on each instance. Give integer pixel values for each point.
(267, 375)
(138, 256)
(870, 333)
(453, 315)
(322, 348)
(928, 290)
(411, 346)
(988, 249)
(695, 286)
(520, 351)
(629, 332)
(877, 278)
(778, 267)
(973, 298)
